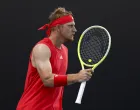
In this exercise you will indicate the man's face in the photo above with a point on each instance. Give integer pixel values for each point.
(68, 30)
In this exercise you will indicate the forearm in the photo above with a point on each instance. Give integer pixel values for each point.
(53, 82)
(72, 78)
(49, 81)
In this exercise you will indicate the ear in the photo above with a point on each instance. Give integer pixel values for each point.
(59, 27)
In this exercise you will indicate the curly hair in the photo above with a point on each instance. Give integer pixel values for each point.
(59, 12)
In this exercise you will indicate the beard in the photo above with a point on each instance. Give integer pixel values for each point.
(66, 37)
(69, 39)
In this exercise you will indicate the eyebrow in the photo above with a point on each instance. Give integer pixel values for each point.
(71, 24)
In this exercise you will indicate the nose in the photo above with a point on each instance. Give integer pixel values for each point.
(75, 30)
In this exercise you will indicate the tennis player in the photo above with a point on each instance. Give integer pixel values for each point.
(46, 75)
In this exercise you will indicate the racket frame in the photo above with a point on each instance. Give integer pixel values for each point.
(83, 84)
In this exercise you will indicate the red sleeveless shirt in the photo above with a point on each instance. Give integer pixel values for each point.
(38, 97)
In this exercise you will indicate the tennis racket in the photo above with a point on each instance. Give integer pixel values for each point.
(93, 47)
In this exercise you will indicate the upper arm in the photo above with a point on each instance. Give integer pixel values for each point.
(41, 60)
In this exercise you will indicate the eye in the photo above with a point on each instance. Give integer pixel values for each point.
(71, 26)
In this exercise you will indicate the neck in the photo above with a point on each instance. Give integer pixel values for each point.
(56, 40)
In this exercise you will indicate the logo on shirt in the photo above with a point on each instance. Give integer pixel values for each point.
(61, 57)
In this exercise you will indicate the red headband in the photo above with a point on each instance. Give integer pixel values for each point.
(59, 21)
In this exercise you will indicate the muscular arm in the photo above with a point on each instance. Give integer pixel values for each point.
(41, 60)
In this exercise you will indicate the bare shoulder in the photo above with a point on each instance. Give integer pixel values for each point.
(41, 50)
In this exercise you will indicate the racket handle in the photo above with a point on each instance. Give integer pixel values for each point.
(80, 93)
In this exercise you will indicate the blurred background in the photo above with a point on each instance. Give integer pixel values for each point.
(115, 84)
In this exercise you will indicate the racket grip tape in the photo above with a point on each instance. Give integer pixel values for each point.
(80, 93)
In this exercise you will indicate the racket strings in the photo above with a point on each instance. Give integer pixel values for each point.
(94, 45)
(105, 40)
